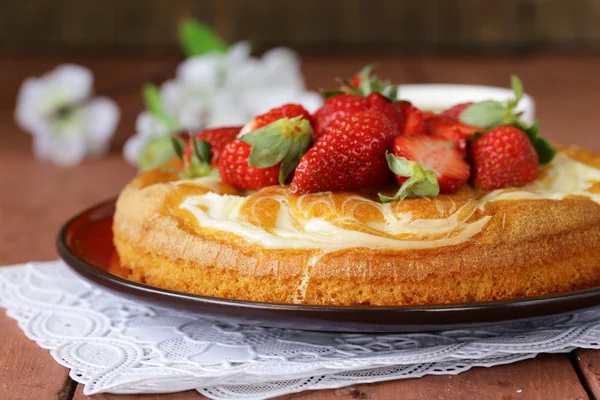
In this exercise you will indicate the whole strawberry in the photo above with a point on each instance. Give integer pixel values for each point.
(217, 138)
(285, 111)
(341, 105)
(426, 166)
(351, 156)
(414, 119)
(503, 157)
(268, 154)
(234, 168)
(385, 106)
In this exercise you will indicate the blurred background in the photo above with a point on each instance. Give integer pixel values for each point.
(554, 45)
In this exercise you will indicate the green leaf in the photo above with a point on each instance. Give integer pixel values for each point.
(158, 151)
(544, 149)
(153, 102)
(393, 94)
(197, 38)
(285, 140)
(291, 160)
(331, 93)
(202, 150)
(487, 114)
(177, 147)
(421, 182)
(517, 87)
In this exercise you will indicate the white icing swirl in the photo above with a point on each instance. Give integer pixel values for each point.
(563, 177)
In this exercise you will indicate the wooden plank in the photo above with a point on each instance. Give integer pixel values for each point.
(588, 362)
(26, 370)
(546, 377)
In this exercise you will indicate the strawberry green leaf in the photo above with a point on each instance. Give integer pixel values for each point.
(158, 151)
(202, 150)
(291, 160)
(542, 147)
(421, 182)
(331, 93)
(284, 140)
(517, 87)
(197, 38)
(487, 114)
(177, 147)
(153, 102)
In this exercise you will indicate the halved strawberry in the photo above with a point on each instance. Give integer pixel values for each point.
(426, 166)
(447, 128)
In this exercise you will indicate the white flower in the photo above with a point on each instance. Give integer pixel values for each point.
(227, 89)
(65, 122)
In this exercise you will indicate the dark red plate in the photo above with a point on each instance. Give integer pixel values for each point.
(85, 244)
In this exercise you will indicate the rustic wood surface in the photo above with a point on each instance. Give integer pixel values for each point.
(390, 25)
(35, 199)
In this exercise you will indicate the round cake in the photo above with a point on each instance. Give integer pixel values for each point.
(367, 201)
(206, 237)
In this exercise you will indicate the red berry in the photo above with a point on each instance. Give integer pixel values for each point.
(235, 170)
(503, 157)
(437, 155)
(414, 120)
(456, 110)
(218, 138)
(285, 111)
(447, 128)
(387, 108)
(351, 156)
(338, 106)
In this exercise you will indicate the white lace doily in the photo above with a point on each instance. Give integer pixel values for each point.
(115, 345)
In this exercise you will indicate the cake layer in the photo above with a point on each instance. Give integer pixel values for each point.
(206, 237)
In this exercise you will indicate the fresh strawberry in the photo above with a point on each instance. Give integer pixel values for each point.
(234, 168)
(217, 138)
(335, 107)
(351, 156)
(426, 166)
(447, 128)
(386, 107)
(266, 155)
(414, 121)
(503, 157)
(285, 111)
(456, 110)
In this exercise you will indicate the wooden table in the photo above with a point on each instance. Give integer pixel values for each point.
(36, 198)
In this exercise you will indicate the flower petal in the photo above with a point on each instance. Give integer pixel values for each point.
(102, 116)
(65, 151)
(73, 81)
(201, 70)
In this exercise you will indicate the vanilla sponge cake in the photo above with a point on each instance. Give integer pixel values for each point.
(206, 237)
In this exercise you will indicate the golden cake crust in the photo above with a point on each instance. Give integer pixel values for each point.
(451, 249)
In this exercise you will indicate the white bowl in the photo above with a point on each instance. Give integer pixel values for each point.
(437, 97)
